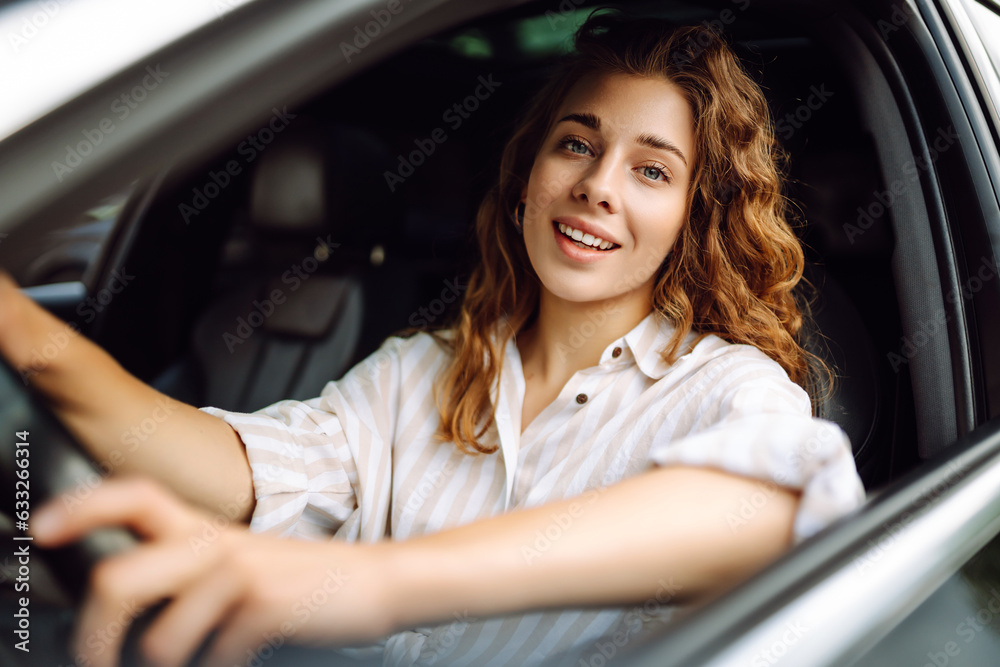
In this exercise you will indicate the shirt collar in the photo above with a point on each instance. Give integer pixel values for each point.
(642, 345)
(645, 342)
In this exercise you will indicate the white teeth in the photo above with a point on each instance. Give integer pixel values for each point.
(586, 239)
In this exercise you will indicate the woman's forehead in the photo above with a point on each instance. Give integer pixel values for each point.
(631, 105)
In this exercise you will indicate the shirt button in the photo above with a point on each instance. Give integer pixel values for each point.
(617, 352)
(581, 398)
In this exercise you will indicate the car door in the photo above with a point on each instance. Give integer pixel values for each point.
(914, 577)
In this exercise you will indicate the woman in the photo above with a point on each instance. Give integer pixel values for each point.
(623, 382)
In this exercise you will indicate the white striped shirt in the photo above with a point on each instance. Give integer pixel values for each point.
(361, 463)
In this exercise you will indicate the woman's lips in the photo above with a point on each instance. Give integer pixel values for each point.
(578, 251)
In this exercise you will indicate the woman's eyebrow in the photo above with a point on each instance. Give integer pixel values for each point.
(592, 122)
(656, 142)
(588, 120)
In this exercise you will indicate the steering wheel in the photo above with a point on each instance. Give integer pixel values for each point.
(56, 464)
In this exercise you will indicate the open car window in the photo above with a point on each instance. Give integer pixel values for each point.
(370, 181)
(56, 49)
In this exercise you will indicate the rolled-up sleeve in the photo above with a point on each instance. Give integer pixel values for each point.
(322, 467)
(301, 466)
(757, 423)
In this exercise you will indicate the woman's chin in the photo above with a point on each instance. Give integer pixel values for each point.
(578, 295)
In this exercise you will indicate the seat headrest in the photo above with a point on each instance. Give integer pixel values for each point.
(315, 180)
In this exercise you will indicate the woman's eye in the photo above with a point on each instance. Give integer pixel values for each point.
(654, 174)
(576, 146)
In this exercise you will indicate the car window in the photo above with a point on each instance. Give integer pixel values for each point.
(986, 18)
(66, 252)
(958, 625)
(539, 36)
(984, 15)
(53, 49)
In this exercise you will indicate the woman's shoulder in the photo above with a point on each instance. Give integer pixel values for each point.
(711, 348)
(406, 348)
(742, 369)
(717, 364)
(391, 366)
(406, 344)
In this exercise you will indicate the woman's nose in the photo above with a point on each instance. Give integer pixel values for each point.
(598, 186)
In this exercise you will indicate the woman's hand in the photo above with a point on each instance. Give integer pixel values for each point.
(256, 590)
(107, 409)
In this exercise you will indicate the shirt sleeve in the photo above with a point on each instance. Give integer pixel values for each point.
(312, 460)
(757, 423)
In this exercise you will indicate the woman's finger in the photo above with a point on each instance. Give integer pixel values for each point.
(243, 636)
(124, 585)
(183, 625)
(139, 503)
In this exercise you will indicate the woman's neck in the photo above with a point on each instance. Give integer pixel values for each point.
(568, 337)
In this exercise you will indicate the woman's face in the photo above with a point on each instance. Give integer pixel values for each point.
(616, 168)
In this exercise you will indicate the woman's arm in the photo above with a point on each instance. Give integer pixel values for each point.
(666, 534)
(106, 408)
(669, 529)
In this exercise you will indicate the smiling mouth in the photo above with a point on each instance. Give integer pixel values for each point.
(583, 240)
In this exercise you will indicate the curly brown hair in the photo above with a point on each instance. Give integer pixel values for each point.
(734, 265)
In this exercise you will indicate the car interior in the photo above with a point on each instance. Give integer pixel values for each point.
(318, 196)
(266, 280)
